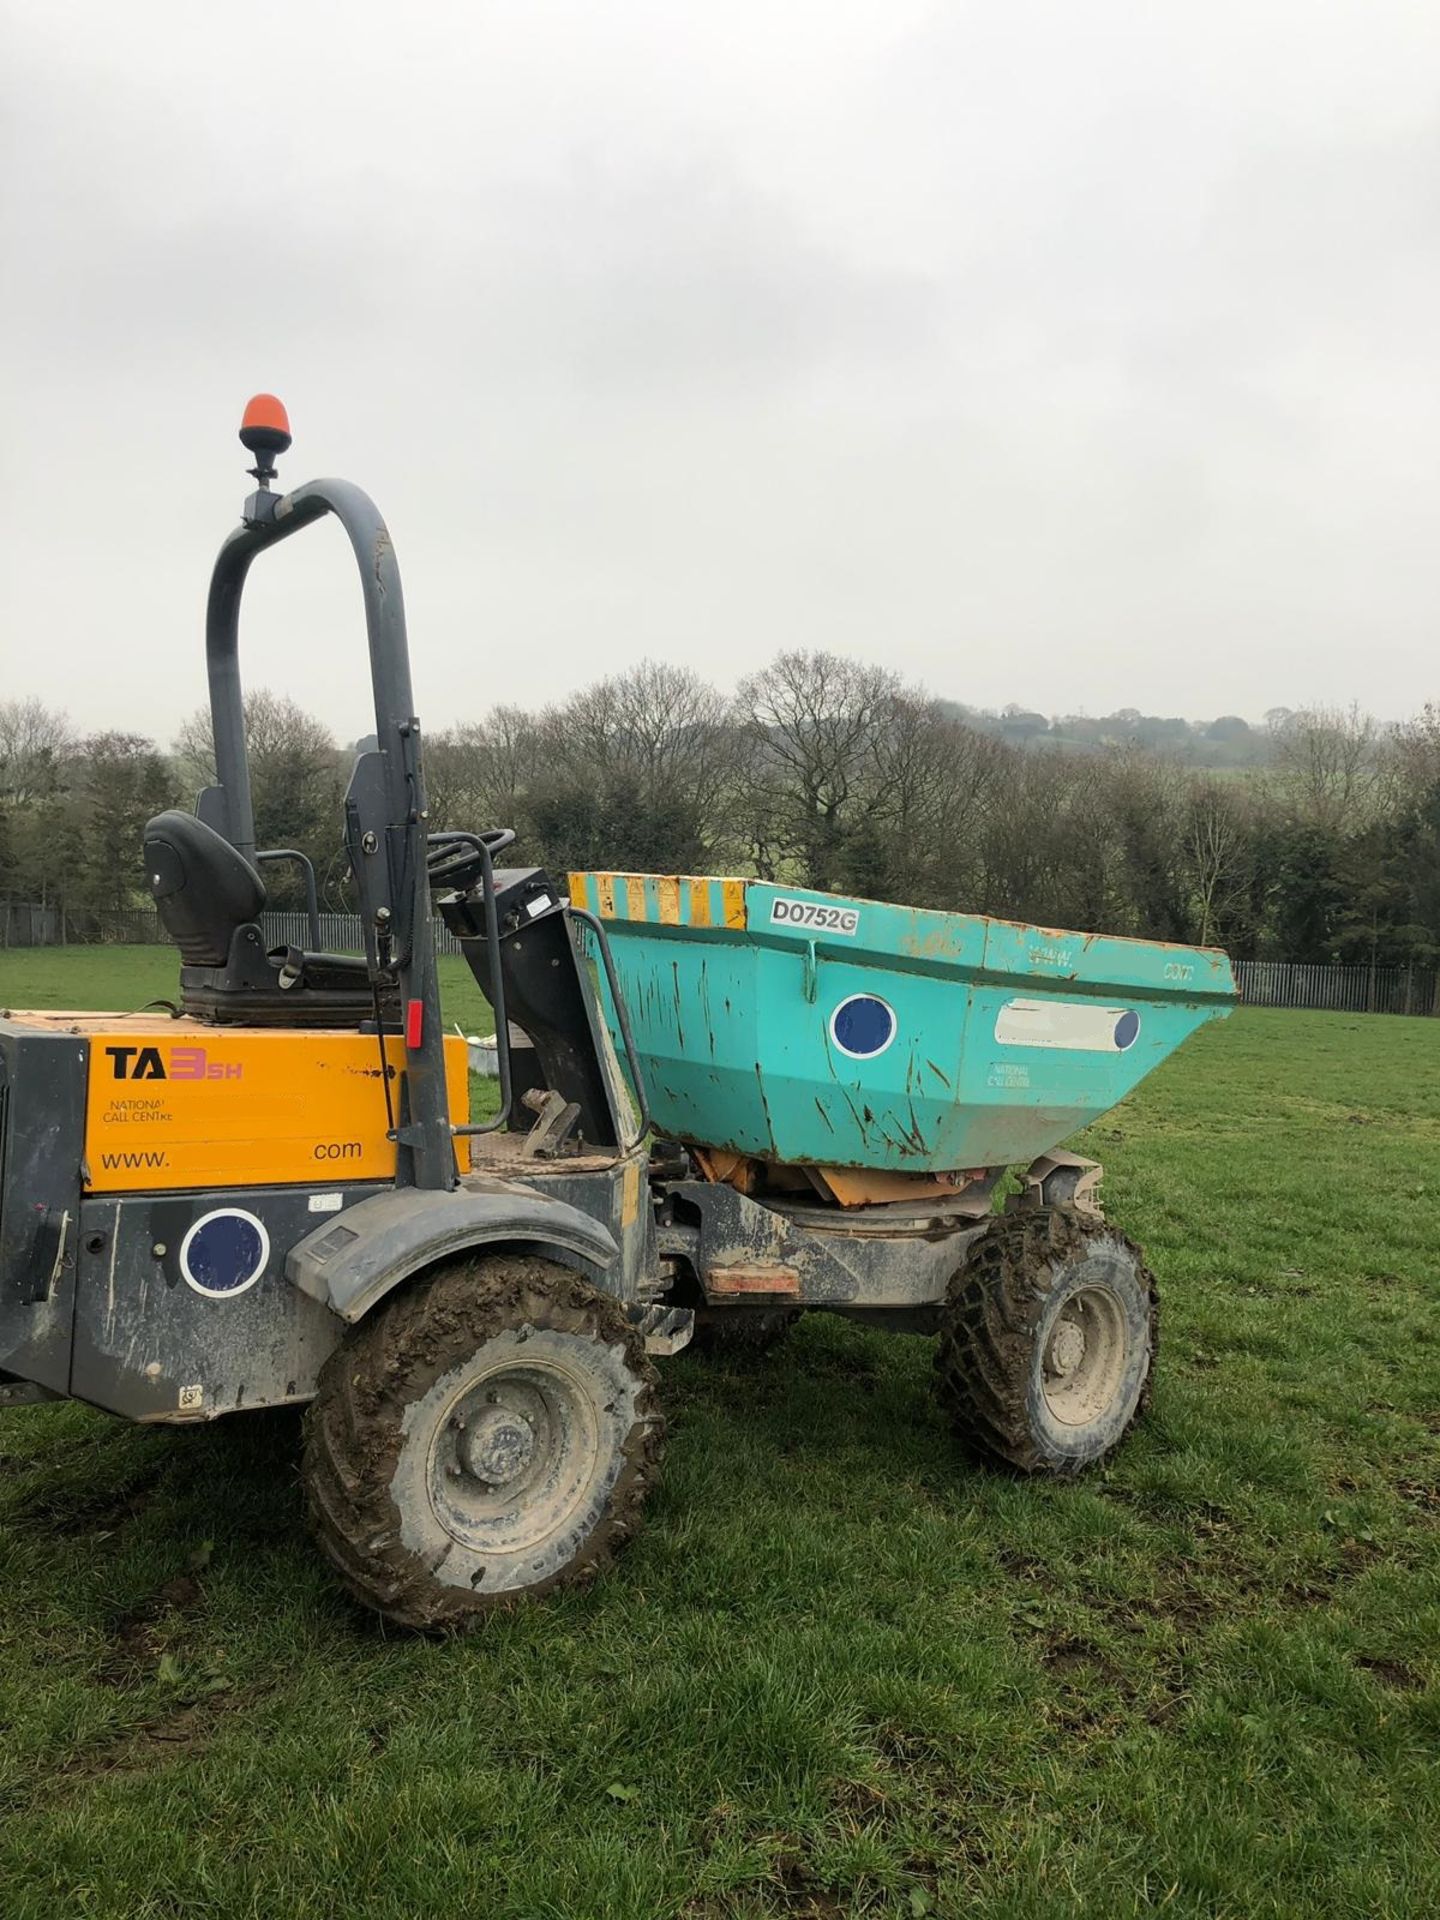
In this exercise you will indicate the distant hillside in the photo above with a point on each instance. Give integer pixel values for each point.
(1226, 742)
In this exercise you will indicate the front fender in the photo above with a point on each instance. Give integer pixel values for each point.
(352, 1263)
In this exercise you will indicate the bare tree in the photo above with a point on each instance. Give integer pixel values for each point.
(1216, 856)
(659, 726)
(929, 790)
(1414, 755)
(478, 773)
(1329, 765)
(296, 782)
(1015, 835)
(1144, 799)
(36, 742)
(639, 772)
(121, 781)
(815, 722)
(37, 758)
(830, 771)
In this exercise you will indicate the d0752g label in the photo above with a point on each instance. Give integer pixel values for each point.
(817, 918)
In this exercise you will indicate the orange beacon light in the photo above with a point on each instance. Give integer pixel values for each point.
(265, 432)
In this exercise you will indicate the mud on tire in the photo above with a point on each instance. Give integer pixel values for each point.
(489, 1434)
(1047, 1341)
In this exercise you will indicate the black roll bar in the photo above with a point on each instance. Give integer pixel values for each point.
(384, 625)
(269, 519)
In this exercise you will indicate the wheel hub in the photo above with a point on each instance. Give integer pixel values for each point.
(1067, 1349)
(516, 1452)
(1084, 1358)
(497, 1447)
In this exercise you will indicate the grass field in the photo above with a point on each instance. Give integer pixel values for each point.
(124, 978)
(843, 1670)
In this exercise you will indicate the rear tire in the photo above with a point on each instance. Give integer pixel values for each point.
(1047, 1341)
(487, 1435)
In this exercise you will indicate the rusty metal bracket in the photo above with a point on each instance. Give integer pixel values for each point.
(665, 1329)
(775, 1280)
(1060, 1179)
(555, 1122)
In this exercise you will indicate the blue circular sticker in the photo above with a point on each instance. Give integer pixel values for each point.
(224, 1253)
(1127, 1029)
(863, 1026)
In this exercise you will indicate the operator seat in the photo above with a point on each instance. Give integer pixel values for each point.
(205, 890)
(210, 898)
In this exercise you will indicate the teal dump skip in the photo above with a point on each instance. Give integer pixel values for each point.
(809, 1028)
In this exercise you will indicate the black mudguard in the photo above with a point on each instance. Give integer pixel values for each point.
(352, 1263)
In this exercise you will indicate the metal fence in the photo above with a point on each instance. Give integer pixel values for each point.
(28, 923)
(339, 932)
(1263, 983)
(1287, 983)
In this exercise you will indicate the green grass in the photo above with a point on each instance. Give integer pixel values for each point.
(843, 1670)
(120, 979)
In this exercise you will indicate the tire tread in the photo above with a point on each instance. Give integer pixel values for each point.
(349, 1429)
(989, 1325)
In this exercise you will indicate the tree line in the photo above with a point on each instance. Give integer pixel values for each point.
(828, 772)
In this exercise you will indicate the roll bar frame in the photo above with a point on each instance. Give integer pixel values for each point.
(426, 1156)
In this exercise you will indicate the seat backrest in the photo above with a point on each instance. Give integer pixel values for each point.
(204, 890)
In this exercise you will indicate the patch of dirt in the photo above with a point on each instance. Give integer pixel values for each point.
(1163, 1713)
(137, 1638)
(1074, 1654)
(1302, 1593)
(1192, 1591)
(1357, 1555)
(68, 1510)
(798, 1893)
(905, 1749)
(1390, 1673)
(154, 1743)
(790, 1889)
(1020, 1566)
(1156, 1686)
(858, 1799)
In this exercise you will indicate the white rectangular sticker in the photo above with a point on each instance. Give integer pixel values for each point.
(1074, 1026)
(814, 917)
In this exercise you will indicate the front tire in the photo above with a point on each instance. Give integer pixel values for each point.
(488, 1435)
(1047, 1341)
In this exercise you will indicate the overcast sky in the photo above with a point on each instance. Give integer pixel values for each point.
(1081, 354)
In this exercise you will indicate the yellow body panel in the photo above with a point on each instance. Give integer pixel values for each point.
(179, 1103)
